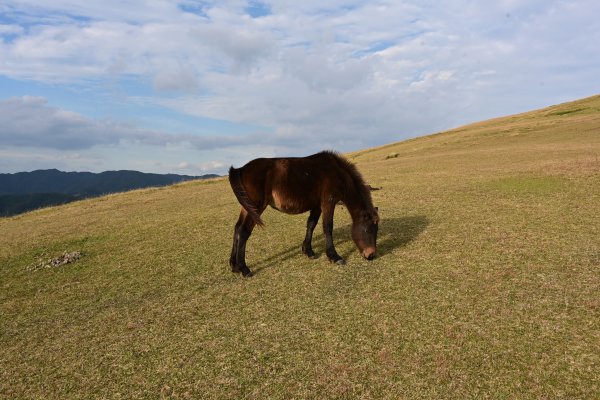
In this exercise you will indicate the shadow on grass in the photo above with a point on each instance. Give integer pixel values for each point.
(394, 233)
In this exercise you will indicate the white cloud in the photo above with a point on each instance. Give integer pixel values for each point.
(201, 168)
(29, 121)
(336, 74)
(10, 29)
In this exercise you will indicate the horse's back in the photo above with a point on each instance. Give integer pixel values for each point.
(293, 185)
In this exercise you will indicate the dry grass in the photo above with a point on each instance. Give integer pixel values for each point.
(486, 286)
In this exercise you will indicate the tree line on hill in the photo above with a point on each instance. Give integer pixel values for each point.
(25, 191)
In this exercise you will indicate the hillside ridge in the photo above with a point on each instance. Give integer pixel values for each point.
(588, 107)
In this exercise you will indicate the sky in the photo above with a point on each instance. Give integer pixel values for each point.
(192, 87)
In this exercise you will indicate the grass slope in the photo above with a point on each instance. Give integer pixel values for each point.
(486, 285)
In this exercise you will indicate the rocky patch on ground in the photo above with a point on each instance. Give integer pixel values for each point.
(65, 258)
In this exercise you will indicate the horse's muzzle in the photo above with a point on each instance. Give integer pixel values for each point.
(369, 254)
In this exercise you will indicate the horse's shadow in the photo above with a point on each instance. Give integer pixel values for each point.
(394, 233)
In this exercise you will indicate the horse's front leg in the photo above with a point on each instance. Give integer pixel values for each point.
(313, 218)
(333, 256)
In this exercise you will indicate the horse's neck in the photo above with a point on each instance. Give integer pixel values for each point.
(355, 204)
(356, 200)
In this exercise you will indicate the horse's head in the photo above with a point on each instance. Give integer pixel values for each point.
(364, 232)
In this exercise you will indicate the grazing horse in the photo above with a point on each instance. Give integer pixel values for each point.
(296, 185)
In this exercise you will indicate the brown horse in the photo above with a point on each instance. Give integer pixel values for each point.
(295, 185)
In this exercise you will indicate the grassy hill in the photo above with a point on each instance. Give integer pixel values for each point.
(486, 286)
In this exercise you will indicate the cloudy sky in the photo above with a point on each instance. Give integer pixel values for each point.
(195, 86)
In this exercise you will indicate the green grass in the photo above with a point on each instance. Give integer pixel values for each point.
(564, 112)
(486, 284)
(537, 185)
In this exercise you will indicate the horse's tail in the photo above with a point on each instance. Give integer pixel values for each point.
(235, 180)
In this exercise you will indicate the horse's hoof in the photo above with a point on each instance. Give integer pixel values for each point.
(340, 262)
(308, 253)
(246, 271)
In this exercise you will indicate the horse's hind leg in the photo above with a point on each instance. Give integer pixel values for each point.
(313, 218)
(233, 257)
(241, 237)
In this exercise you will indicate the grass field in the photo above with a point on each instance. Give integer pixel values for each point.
(487, 283)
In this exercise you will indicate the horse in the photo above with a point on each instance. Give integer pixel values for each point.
(296, 185)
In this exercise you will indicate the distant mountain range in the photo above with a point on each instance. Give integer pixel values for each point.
(25, 191)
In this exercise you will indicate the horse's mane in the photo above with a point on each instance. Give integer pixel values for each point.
(359, 183)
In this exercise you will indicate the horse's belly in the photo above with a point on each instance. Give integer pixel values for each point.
(286, 204)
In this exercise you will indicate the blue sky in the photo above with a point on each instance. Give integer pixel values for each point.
(192, 87)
